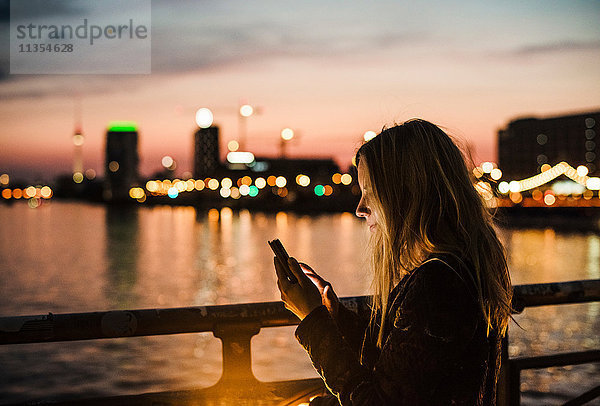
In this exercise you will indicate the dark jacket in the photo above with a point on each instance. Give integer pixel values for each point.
(436, 349)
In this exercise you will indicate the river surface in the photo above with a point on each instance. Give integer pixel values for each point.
(73, 257)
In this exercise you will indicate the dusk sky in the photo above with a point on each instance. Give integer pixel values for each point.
(329, 70)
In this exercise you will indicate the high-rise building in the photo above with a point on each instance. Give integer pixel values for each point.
(528, 143)
(121, 160)
(206, 152)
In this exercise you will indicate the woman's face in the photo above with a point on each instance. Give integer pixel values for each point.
(364, 209)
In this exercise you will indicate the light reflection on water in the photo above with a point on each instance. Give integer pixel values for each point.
(67, 257)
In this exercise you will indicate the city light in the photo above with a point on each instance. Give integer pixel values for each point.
(167, 162)
(369, 135)
(582, 170)
(287, 134)
(78, 140)
(173, 192)
(78, 176)
(514, 186)
(233, 145)
(4, 179)
(246, 110)
(303, 180)
(280, 181)
(204, 117)
(151, 186)
(346, 179)
(29, 192)
(122, 126)
(136, 193)
(487, 167)
(199, 185)
(593, 183)
(503, 187)
(226, 183)
(225, 192)
(90, 174)
(238, 157)
(113, 166)
(6, 193)
(496, 174)
(260, 183)
(213, 184)
(244, 190)
(319, 190)
(549, 199)
(253, 192)
(336, 178)
(190, 184)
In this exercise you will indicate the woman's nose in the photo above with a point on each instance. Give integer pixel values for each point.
(362, 210)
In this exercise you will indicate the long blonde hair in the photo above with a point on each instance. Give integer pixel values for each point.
(425, 202)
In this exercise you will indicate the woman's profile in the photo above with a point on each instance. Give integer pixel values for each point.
(441, 288)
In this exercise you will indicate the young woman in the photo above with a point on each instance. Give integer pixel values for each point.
(441, 288)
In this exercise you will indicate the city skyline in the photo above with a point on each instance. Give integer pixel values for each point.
(328, 72)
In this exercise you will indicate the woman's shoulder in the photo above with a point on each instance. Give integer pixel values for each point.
(440, 293)
(445, 273)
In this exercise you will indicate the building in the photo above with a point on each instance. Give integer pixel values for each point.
(528, 143)
(206, 152)
(121, 160)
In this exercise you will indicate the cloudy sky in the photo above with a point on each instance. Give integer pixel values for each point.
(331, 70)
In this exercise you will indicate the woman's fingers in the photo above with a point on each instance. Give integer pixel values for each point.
(282, 280)
(308, 267)
(311, 272)
(297, 271)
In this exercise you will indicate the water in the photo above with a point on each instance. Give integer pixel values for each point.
(73, 257)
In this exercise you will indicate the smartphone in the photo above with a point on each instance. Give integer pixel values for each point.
(282, 256)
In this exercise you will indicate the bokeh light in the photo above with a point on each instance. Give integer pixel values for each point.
(260, 182)
(204, 117)
(246, 110)
(582, 170)
(233, 145)
(369, 135)
(496, 174)
(280, 181)
(287, 134)
(173, 192)
(346, 179)
(167, 161)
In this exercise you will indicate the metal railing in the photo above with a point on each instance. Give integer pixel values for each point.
(235, 325)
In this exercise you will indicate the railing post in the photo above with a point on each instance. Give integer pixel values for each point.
(237, 354)
(515, 386)
(503, 389)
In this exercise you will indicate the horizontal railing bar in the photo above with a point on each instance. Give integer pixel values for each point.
(198, 319)
(584, 397)
(543, 294)
(555, 360)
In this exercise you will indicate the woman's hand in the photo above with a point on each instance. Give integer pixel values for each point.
(328, 296)
(300, 298)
